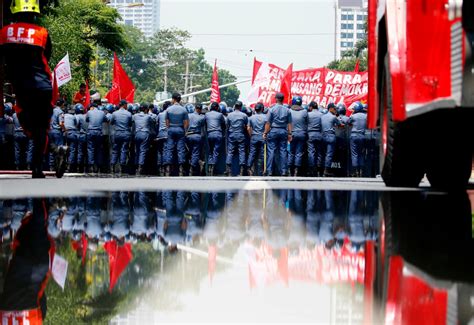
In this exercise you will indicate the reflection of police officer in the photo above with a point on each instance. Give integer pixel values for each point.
(177, 120)
(315, 141)
(329, 122)
(215, 125)
(122, 122)
(358, 120)
(194, 138)
(299, 119)
(256, 128)
(278, 131)
(236, 131)
(143, 125)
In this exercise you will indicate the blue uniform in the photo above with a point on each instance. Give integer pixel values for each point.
(176, 116)
(194, 137)
(315, 139)
(357, 140)
(55, 132)
(23, 146)
(81, 146)
(122, 122)
(5, 158)
(95, 118)
(279, 117)
(215, 124)
(72, 136)
(237, 128)
(161, 136)
(257, 124)
(329, 122)
(143, 126)
(299, 118)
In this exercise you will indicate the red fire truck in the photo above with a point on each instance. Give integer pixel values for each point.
(421, 89)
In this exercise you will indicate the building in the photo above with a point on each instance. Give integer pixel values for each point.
(143, 14)
(351, 16)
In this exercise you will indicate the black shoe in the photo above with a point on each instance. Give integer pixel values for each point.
(228, 170)
(95, 169)
(60, 161)
(250, 171)
(181, 170)
(242, 170)
(166, 172)
(38, 174)
(296, 172)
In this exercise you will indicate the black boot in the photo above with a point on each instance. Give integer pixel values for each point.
(60, 161)
(181, 170)
(228, 170)
(242, 170)
(297, 172)
(95, 169)
(328, 173)
(139, 170)
(250, 171)
(166, 171)
(123, 169)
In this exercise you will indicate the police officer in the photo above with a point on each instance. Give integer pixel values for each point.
(315, 141)
(278, 129)
(256, 128)
(237, 123)
(194, 135)
(358, 120)
(56, 129)
(215, 126)
(329, 122)
(82, 137)
(143, 123)
(177, 120)
(299, 118)
(26, 48)
(161, 137)
(342, 140)
(95, 118)
(72, 134)
(122, 121)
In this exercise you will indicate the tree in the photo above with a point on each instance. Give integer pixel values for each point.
(80, 27)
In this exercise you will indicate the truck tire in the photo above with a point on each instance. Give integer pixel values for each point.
(404, 160)
(449, 162)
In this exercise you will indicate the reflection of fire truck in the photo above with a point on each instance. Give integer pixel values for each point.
(421, 85)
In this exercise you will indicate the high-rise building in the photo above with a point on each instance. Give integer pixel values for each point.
(351, 16)
(143, 14)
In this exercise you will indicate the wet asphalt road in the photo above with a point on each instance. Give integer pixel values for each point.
(220, 250)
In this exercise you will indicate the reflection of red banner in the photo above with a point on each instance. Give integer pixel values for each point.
(119, 257)
(321, 85)
(318, 265)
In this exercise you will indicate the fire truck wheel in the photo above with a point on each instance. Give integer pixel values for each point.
(404, 158)
(449, 162)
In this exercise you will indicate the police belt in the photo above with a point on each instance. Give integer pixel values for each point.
(279, 127)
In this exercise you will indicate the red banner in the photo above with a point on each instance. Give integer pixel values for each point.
(321, 85)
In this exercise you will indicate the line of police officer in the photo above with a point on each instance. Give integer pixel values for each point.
(138, 138)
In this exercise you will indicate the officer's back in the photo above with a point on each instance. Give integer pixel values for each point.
(299, 119)
(359, 122)
(176, 114)
(279, 116)
(95, 118)
(257, 123)
(314, 121)
(215, 121)
(237, 122)
(329, 122)
(196, 123)
(122, 121)
(57, 118)
(143, 122)
(70, 122)
(161, 125)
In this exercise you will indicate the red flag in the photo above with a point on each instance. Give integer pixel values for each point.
(283, 265)
(256, 67)
(285, 88)
(119, 258)
(215, 93)
(55, 90)
(356, 68)
(122, 86)
(88, 96)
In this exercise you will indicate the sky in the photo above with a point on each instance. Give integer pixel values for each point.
(235, 31)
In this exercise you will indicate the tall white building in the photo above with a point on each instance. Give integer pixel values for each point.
(351, 16)
(143, 14)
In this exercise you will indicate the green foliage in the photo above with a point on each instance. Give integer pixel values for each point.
(79, 27)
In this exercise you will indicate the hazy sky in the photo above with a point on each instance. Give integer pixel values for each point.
(234, 31)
